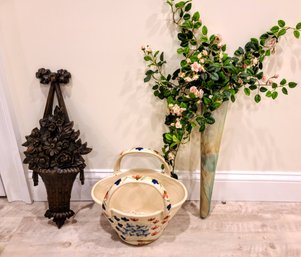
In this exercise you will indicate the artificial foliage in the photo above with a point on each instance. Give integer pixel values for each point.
(207, 76)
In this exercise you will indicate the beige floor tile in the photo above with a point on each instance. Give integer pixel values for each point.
(232, 230)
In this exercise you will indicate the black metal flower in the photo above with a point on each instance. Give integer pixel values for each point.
(64, 159)
(55, 144)
(63, 76)
(52, 146)
(43, 161)
(45, 75)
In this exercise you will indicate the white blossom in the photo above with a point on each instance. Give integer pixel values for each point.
(176, 109)
(205, 52)
(178, 124)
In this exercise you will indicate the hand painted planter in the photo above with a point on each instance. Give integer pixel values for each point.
(139, 203)
(210, 145)
(138, 208)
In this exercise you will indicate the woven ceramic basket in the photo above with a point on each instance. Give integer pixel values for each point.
(139, 203)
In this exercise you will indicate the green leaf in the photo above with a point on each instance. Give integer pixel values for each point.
(255, 41)
(186, 16)
(187, 24)
(207, 114)
(180, 50)
(175, 139)
(298, 26)
(189, 35)
(169, 2)
(275, 29)
(181, 13)
(168, 138)
(268, 94)
(247, 91)
(263, 89)
(210, 120)
(162, 57)
(149, 72)
(206, 100)
(196, 16)
(188, 7)
(257, 98)
(281, 32)
(202, 128)
(264, 36)
(292, 84)
(214, 76)
(200, 121)
(147, 78)
(274, 95)
(204, 30)
(297, 34)
(184, 43)
(147, 58)
(274, 85)
(284, 91)
(283, 82)
(197, 24)
(268, 53)
(193, 42)
(182, 36)
(281, 23)
(180, 4)
(253, 87)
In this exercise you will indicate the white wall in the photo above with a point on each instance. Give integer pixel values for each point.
(2, 191)
(99, 43)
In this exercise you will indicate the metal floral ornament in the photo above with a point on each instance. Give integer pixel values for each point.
(55, 144)
(54, 151)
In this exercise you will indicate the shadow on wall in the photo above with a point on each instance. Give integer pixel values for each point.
(241, 138)
(258, 131)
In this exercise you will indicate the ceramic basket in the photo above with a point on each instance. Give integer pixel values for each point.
(139, 203)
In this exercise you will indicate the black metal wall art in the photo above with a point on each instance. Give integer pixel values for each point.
(54, 151)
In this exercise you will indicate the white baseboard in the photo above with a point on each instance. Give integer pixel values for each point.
(229, 186)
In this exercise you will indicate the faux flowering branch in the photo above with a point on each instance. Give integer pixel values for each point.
(207, 76)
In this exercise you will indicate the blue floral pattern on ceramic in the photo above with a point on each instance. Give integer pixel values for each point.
(136, 229)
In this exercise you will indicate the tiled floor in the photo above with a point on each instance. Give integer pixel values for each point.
(233, 230)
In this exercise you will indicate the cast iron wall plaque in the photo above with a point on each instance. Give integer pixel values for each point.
(54, 151)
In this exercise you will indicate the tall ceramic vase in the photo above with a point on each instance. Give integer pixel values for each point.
(210, 145)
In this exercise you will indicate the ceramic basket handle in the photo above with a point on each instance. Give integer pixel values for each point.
(140, 150)
(134, 180)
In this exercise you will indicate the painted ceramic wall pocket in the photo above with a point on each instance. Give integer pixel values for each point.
(139, 203)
